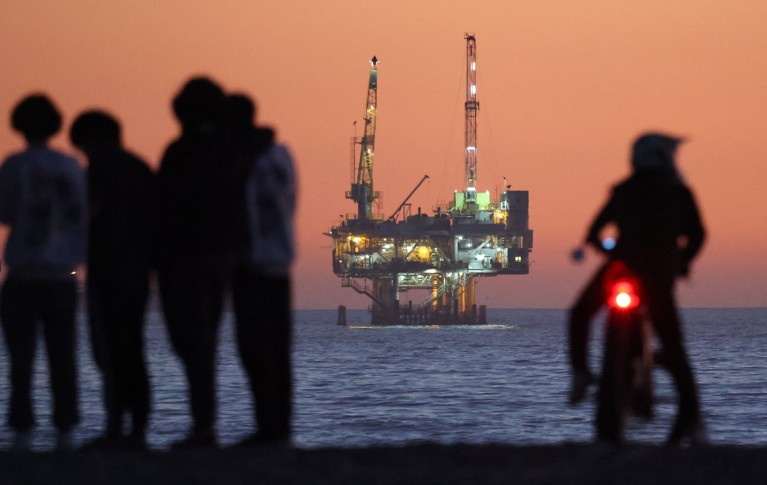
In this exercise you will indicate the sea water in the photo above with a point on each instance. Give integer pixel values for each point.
(505, 382)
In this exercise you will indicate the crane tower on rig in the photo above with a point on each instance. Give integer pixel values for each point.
(362, 190)
(443, 255)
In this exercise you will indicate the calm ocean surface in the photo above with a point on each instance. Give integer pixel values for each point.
(505, 382)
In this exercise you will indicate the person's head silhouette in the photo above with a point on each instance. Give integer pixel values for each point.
(93, 129)
(200, 106)
(36, 118)
(655, 152)
(241, 110)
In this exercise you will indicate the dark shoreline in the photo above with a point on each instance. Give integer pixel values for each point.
(412, 464)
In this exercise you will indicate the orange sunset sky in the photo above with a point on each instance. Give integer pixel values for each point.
(563, 86)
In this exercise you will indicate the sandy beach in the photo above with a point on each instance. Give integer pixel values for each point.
(413, 464)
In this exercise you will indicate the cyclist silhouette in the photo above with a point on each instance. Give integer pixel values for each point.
(659, 234)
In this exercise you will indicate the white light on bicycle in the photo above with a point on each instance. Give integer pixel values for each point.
(608, 244)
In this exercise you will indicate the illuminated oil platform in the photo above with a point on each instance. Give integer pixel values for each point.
(443, 255)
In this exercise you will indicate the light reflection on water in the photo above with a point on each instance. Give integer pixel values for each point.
(502, 382)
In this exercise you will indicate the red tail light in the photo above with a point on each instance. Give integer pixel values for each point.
(622, 286)
(623, 295)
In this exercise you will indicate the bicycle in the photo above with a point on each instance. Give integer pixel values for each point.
(625, 384)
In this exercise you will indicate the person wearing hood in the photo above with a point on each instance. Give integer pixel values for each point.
(659, 235)
(261, 286)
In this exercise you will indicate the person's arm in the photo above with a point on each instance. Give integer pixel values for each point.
(79, 209)
(692, 230)
(5, 231)
(604, 217)
(8, 197)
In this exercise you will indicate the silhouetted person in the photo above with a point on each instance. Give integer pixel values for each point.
(261, 286)
(198, 242)
(121, 197)
(43, 204)
(660, 233)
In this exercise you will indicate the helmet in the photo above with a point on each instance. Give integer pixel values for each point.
(655, 151)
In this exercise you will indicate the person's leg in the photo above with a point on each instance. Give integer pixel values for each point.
(264, 334)
(58, 306)
(134, 369)
(665, 319)
(17, 314)
(124, 316)
(99, 311)
(192, 300)
(274, 404)
(582, 312)
(203, 369)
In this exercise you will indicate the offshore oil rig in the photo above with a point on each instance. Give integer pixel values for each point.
(443, 254)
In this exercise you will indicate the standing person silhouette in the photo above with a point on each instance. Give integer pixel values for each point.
(43, 211)
(121, 197)
(261, 286)
(198, 238)
(660, 233)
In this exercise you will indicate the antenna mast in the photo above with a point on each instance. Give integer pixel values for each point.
(472, 106)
